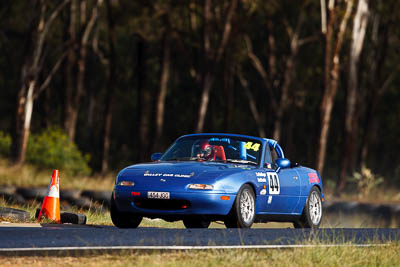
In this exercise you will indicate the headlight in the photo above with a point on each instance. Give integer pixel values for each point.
(126, 183)
(201, 186)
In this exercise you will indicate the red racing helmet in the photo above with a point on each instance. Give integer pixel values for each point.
(202, 149)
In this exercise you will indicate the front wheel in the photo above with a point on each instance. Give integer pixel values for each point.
(244, 209)
(312, 213)
(122, 219)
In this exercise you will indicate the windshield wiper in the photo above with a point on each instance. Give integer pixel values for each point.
(242, 161)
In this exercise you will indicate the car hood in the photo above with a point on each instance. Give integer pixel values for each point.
(157, 175)
(191, 170)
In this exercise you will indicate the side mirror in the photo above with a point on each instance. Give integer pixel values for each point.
(156, 156)
(282, 163)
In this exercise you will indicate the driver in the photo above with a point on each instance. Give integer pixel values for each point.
(202, 150)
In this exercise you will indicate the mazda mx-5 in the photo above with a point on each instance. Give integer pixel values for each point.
(236, 179)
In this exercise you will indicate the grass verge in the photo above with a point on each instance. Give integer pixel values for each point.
(29, 176)
(100, 216)
(316, 256)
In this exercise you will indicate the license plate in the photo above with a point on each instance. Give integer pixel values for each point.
(158, 195)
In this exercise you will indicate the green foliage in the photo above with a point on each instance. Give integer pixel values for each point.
(139, 32)
(366, 181)
(53, 149)
(5, 144)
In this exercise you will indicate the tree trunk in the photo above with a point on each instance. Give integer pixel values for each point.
(256, 62)
(377, 85)
(332, 64)
(252, 105)
(287, 77)
(229, 94)
(211, 61)
(24, 116)
(70, 73)
(207, 77)
(73, 107)
(29, 79)
(110, 90)
(271, 83)
(205, 96)
(144, 103)
(165, 70)
(328, 96)
(351, 120)
(272, 55)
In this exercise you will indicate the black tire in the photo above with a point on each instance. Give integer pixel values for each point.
(32, 193)
(311, 219)
(14, 214)
(238, 218)
(196, 222)
(12, 198)
(67, 217)
(82, 202)
(70, 195)
(122, 219)
(99, 196)
(73, 218)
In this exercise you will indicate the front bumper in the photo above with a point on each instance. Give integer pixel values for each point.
(197, 203)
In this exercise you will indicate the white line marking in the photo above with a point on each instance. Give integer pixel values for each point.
(187, 247)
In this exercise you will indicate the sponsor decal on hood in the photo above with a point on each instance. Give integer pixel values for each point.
(178, 175)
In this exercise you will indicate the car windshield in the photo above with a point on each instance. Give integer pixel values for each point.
(215, 148)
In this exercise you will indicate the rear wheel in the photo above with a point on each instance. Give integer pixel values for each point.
(196, 222)
(244, 209)
(14, 214)
(312, 213)
(122, 219)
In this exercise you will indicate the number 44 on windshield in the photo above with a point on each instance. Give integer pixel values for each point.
(251, 146)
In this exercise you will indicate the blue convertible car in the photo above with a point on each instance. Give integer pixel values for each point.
(232, 178)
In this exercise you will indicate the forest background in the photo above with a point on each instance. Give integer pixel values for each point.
(105, 83)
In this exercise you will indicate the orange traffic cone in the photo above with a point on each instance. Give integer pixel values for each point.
(51, 203)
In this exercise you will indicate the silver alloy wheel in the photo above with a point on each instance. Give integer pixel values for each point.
(315, 207)
(247, 206)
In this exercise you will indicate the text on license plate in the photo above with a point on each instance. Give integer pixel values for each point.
(159, 195)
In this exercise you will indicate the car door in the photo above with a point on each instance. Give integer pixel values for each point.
(286, 198)
(283, 187)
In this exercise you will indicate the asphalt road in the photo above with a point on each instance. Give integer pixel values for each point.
(71, 237)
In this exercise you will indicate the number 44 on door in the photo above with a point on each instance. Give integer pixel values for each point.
(273, 182)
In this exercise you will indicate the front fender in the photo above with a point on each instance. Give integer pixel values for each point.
(233, 183)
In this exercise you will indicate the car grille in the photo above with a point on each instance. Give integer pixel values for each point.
(162, 204)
